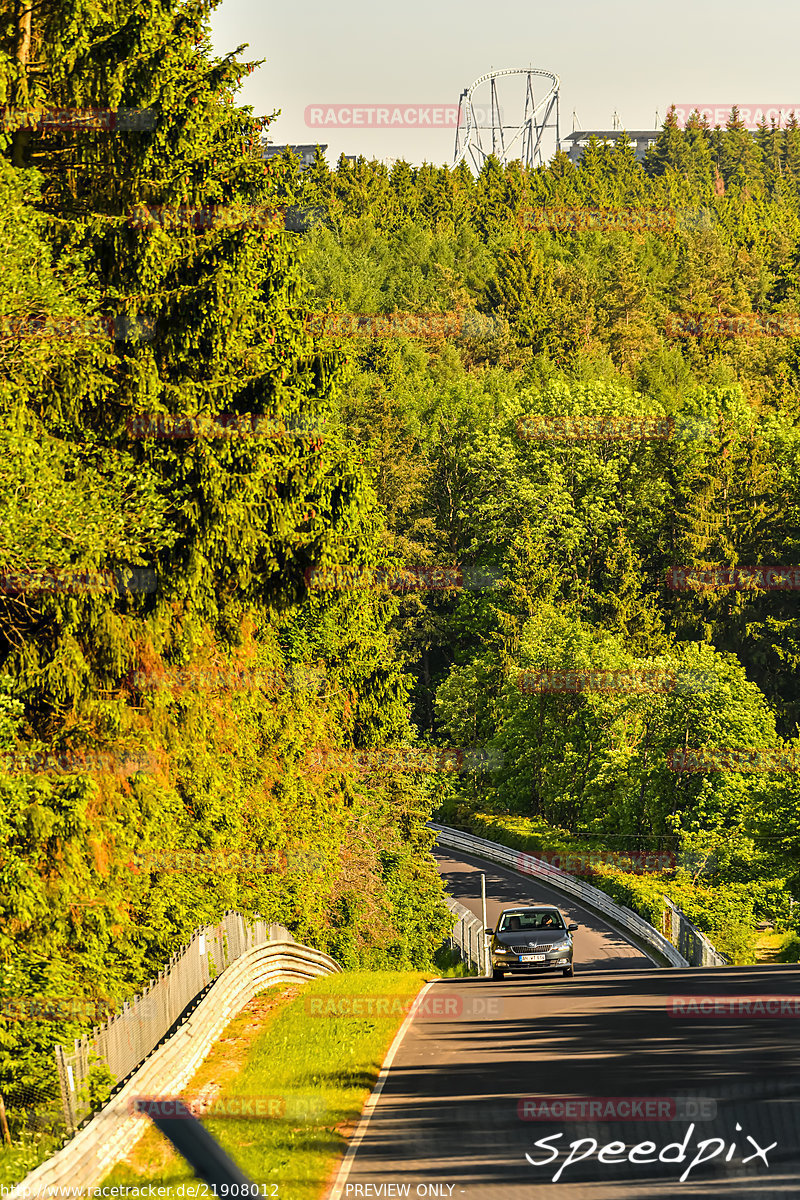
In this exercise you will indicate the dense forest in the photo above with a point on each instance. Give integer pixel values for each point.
(241, 537)
(609, 431)
(167, 676)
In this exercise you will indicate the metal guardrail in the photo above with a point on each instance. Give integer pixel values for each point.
(701, 949)
(90, 1154)
(467, 938)
(125, 1040)
(692, 944)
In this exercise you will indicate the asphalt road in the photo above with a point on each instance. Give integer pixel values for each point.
(598, 946)
(453, 1118)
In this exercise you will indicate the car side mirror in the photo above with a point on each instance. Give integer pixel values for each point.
(572, 928)
(488, 932)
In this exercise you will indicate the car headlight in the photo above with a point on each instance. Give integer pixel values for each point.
(502, 950)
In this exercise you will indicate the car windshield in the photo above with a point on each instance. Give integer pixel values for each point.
(522, 922)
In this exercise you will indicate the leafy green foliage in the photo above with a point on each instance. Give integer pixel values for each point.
(580, 531)
(166, 706)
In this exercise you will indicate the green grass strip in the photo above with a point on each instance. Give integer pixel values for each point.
(306, 1074)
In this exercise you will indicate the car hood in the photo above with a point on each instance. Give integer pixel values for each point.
(531, 937)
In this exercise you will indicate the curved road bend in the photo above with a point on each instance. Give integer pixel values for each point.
(448, 1121)
(598, 946)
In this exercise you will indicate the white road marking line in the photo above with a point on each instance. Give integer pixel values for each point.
(372, 1100)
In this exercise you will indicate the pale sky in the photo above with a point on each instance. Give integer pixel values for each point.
(632, 57)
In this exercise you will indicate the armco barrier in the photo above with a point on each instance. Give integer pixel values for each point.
(692, 944)
(94, 1149)
(623, 918)
(468, 937)
(125, 1041)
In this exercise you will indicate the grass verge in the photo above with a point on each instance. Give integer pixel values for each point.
(27, 1151)
(305, 1058)
(789, 951)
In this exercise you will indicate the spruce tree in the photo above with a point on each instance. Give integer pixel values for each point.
(768, 140)
(698, 163)
(669, 152)
(790, 151)
(740, 154)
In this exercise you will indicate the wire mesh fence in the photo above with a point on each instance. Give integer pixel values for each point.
(35, 1112)
(468, 939)
(90, 1153)
(692, 944)
(123, 1042)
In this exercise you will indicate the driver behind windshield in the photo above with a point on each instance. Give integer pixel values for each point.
(519, 922)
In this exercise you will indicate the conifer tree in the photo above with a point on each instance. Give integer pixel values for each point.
(740, 153)
(522, 293)
(201, 447)
(592, 172)
(490, 210)
(698, 162)
(464, 192)
(790, 151)
(626, 173)
(628, 329)
(669, 152)
(403, 186)
(769, 140)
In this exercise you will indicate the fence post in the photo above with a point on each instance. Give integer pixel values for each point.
(66, 1091)
(484, 943)
(4, 1122)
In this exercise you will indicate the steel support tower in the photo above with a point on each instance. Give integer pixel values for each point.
(480, 111)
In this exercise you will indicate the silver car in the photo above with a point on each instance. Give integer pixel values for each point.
(531, 939)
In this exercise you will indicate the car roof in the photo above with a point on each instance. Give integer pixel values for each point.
(530, 908)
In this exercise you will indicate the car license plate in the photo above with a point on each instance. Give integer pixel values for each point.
(531, 958)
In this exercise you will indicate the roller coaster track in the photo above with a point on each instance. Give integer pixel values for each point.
(538, 116)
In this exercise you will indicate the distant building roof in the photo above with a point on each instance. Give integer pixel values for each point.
(304, 153)
(612, 135)
(579, 139)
